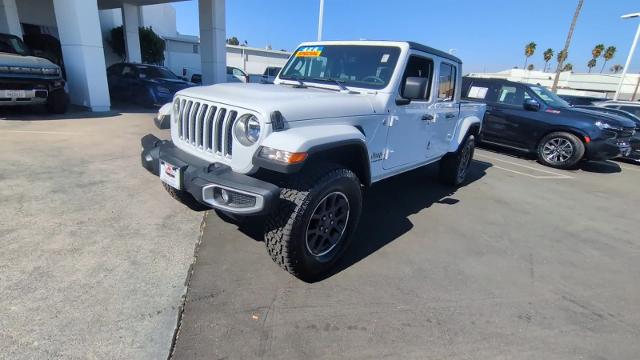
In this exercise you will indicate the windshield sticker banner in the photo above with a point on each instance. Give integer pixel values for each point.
(309, 51)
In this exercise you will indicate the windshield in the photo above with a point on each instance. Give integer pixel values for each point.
(154, 72)
(549, 98)
(361, 66)
(13, 44)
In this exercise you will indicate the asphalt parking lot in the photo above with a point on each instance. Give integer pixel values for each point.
(524, 262)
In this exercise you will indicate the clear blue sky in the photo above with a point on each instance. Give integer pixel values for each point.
(488, 35)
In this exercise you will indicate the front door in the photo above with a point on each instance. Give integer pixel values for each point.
(409, 140)
(447, 109)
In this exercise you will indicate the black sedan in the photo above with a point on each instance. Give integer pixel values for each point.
(142, 84)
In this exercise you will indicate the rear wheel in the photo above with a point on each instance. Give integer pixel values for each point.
(454, 167)
(317, 216)
(560, 150)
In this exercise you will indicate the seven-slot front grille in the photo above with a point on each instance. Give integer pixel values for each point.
(206, 126)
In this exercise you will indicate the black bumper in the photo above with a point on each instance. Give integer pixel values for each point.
(199, 176)
(599, 150)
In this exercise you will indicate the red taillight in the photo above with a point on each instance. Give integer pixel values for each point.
(587, 139)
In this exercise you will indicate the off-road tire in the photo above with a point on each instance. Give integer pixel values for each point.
(185, 198)
(57, 102)
(454, 167)
(577, 154)
(285, 233)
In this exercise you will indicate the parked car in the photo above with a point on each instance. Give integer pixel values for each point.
(632, 107)
(301, 151)
(580, 100)
(270, 74)
(142, 84)
(635, 139)
(233, 75)
(27, 79)
(531, 118)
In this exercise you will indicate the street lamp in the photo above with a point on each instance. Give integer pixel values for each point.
(633, 49)
(320, 20)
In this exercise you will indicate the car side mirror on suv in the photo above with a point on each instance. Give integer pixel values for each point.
(414, 88)
(531, 105)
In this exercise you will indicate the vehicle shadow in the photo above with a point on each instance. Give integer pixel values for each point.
(389, 209)
(600, 167)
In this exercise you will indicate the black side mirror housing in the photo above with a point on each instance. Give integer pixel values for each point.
(531, 105)
(402, 101)
(415, 88)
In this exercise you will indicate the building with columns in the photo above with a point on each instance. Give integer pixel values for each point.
(77, 25)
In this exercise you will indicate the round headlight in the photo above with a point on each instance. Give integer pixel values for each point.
(247, 129)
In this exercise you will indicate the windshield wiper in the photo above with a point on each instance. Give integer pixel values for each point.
(340, 83)
(301, 83)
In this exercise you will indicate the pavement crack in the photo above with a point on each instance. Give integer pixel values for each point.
(187, 283)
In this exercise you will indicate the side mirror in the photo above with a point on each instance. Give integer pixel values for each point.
(415, 88)
(531, 105)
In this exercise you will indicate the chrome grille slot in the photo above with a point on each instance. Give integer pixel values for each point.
(219, 129)
(228, 142)
(206, 126)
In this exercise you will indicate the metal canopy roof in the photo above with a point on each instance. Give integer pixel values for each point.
(114, 4)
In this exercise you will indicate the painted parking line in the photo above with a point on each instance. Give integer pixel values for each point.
(551, 174)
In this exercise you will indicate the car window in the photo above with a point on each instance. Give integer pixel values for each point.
(510, 95)
(419, 67)
(446, 82)
(155, 72)
(238, 72)
(635, 110)
(478, 91)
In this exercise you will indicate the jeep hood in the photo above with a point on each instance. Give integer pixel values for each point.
(7, 59)
(293, 103)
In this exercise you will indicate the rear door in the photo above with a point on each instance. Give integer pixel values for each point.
(410, 127)
(446, 108)
(503, 113)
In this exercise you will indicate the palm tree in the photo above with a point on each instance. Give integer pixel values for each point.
(567, 67)
(529, 49)
(597, 51)
(554, 88)
(591, 64)
(548, 55)
(616, 68)
(561, 57)
(530, 67)
(609, 53)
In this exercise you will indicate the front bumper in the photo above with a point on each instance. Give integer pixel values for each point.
(36, 90)
(599, 150)
(205, 181)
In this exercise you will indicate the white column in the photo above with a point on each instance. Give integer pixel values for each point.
(9, 21)
(79, 29)
(213, 50)
(131, 23)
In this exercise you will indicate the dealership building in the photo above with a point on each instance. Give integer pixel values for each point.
(83, 26)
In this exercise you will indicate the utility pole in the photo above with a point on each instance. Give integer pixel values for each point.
(554, 88)
(635, 92)
(320, 20)
(633, 49)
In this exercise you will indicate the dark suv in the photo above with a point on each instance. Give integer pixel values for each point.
(27, 79)
(531, 118)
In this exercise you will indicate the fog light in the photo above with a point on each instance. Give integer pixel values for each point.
(148, 158)
(224, 195)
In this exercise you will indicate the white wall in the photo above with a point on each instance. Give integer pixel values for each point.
(37, 12)
(161, 17)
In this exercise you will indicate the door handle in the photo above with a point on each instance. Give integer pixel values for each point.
(450, 115)
(427, 117)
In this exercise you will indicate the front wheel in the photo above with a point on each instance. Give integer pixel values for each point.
(454, 167)
(560, 150)
(57, 102)
(318, 214)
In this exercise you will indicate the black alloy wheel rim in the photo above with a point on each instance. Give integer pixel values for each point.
(327, 224)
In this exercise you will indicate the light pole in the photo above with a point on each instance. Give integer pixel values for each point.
(633, 49)
(320, 19)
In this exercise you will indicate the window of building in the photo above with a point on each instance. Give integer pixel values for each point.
(195, 49)
(447, 82)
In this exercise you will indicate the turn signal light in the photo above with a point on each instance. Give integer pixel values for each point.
(282, 156)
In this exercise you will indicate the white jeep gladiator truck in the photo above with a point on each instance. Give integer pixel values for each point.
(340, 116)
